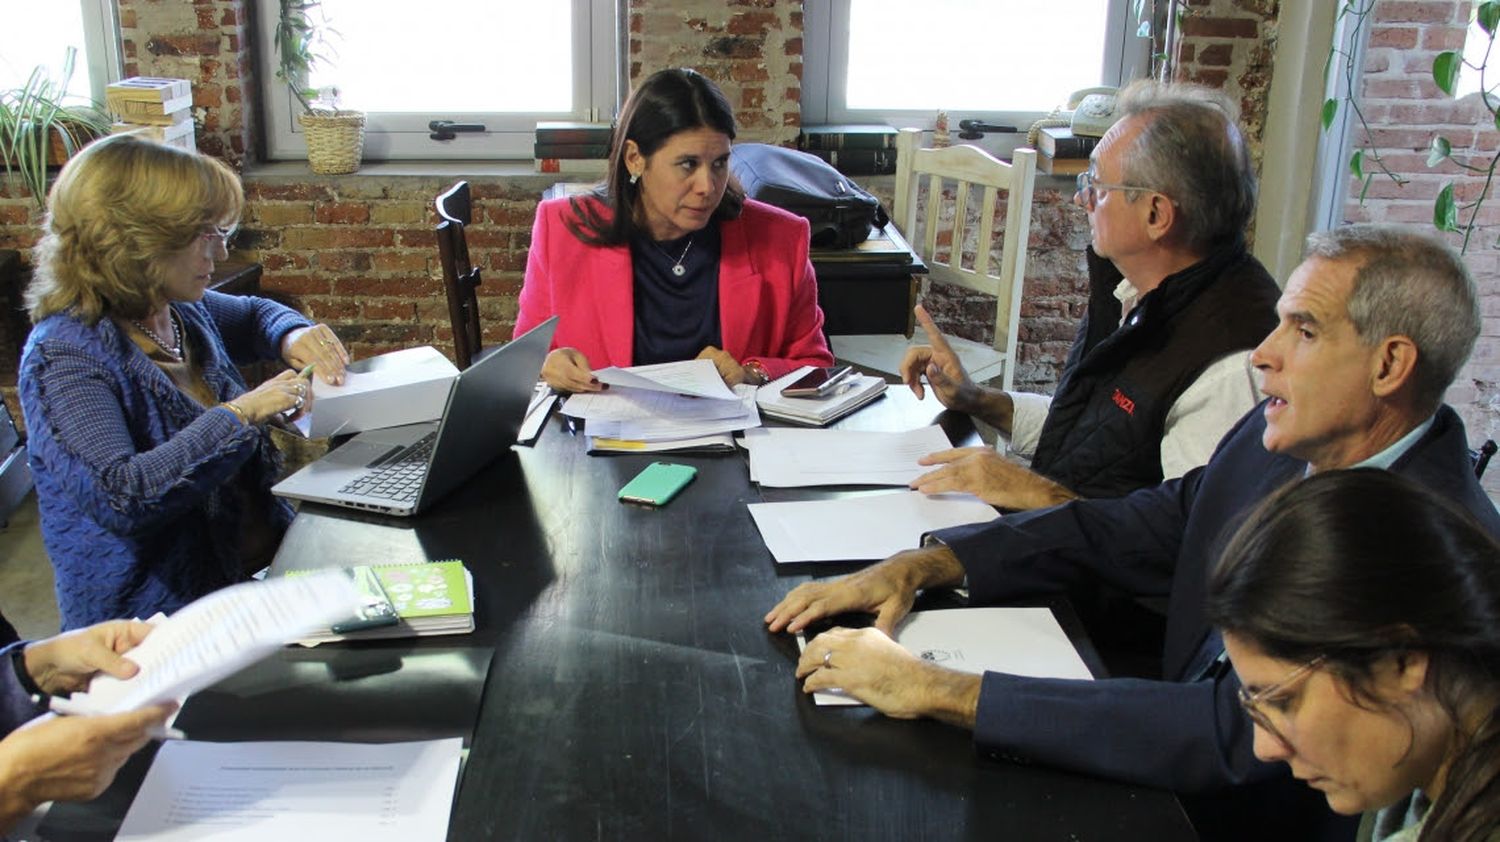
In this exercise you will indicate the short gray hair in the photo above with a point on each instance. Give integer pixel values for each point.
(1408, 284)
(1191, 149)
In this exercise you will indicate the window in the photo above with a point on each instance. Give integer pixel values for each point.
(898, 62)
(500, 64)
(39, 34)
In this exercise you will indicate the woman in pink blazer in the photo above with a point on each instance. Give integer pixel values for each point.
(668, 260)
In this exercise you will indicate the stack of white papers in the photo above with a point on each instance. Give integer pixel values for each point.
(239, 792)
(1019, 641)
(670, 406)
(788, 458)
(871, 526)
(217, 636)
(856, 391)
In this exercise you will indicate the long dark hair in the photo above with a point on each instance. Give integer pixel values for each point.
(1359, 565)
(669, 101)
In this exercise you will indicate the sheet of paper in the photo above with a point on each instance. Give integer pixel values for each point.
(536, 413)
(636, 405)
(217, 636)
(1019, 641)
(273, 791)
(668, 427)
(785, 458)
(857, 528)
(698, 378)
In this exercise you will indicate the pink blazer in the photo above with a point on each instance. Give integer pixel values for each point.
(768, 296)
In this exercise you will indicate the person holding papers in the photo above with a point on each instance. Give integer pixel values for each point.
(152, 459)
(1369, 651)
(668, 260)
(1374, 325)
(71, 758)
(1159, 370)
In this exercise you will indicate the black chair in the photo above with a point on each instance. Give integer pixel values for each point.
(460, 279)
(1481, 457)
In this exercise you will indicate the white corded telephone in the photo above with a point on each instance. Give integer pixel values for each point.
(1089, 112)
(1093, 111)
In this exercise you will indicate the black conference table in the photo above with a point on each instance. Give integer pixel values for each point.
(621, 684)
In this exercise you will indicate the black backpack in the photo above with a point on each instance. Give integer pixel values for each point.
(839, 211)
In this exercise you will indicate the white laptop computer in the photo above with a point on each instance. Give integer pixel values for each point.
(402, 470)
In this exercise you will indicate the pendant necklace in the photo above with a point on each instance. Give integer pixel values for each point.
(677, 268)
(175, 349)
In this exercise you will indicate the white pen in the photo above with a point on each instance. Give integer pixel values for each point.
(67, 707)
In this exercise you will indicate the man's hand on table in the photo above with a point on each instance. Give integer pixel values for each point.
(868, 665)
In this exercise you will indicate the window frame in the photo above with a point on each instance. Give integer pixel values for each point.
(826, 59)
(101, 41)
(404, 137)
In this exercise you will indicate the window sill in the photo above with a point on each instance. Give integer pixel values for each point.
(299, 171)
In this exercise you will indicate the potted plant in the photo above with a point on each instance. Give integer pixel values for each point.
(38, 130)
(335, 137)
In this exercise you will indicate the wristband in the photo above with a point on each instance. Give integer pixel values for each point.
(238, 413)
(18, 662)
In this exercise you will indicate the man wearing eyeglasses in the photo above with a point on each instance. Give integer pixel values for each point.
(1372, 329)
(1159, 370)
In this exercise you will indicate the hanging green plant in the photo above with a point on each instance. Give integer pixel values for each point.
(1448, 212)
(36, 122)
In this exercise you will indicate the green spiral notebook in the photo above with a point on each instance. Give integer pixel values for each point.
(407, 600)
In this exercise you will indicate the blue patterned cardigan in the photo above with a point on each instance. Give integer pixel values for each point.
(132, 474)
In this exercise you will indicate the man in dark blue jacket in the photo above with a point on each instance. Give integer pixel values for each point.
(1373, 327)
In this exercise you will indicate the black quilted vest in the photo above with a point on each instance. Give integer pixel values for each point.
(1102, 436)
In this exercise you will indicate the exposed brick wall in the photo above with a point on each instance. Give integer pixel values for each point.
(1405, 110)
(1231, 45)
(751, 48)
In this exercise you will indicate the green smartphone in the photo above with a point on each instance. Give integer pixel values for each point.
(658, 483)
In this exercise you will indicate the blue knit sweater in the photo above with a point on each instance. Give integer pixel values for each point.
(132, 475)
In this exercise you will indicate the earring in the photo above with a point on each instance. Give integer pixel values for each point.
(634, 177)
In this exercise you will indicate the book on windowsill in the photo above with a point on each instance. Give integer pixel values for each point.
(148, 89)
(1060, 142)
(180, 134)
(553, 132)
(817, 412)
(570, 150)
(580, 166)
(427, 598)
(1061, 166)
(846, 136)
(859, 161)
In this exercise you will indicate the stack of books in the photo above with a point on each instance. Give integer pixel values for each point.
(1060, 152)
(159, 108)
(406, 600)
(563, 147)
(852, 149)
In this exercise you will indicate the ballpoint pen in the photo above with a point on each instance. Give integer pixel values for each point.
(66, 707)
(306, 370)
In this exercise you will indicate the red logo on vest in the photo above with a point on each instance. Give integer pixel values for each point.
(1123, 402)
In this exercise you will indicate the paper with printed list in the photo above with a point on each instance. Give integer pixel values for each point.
(275, 791)
(217, 636)
(1019, 641)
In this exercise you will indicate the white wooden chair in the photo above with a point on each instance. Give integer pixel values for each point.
(965, 255)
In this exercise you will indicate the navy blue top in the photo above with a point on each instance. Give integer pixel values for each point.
(676, 316)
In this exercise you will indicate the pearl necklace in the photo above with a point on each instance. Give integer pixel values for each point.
(175, 349)
(677, 268)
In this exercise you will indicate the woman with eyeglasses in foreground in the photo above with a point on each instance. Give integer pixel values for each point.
(1362, 616)
(152, 460)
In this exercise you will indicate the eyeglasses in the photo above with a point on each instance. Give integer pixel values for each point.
(1091, 190)
(219, 236)
(1253, 702)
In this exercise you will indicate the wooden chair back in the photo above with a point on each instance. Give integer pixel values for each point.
(947, 235)
(460, 279)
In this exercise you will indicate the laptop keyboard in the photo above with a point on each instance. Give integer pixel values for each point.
(400, 477)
